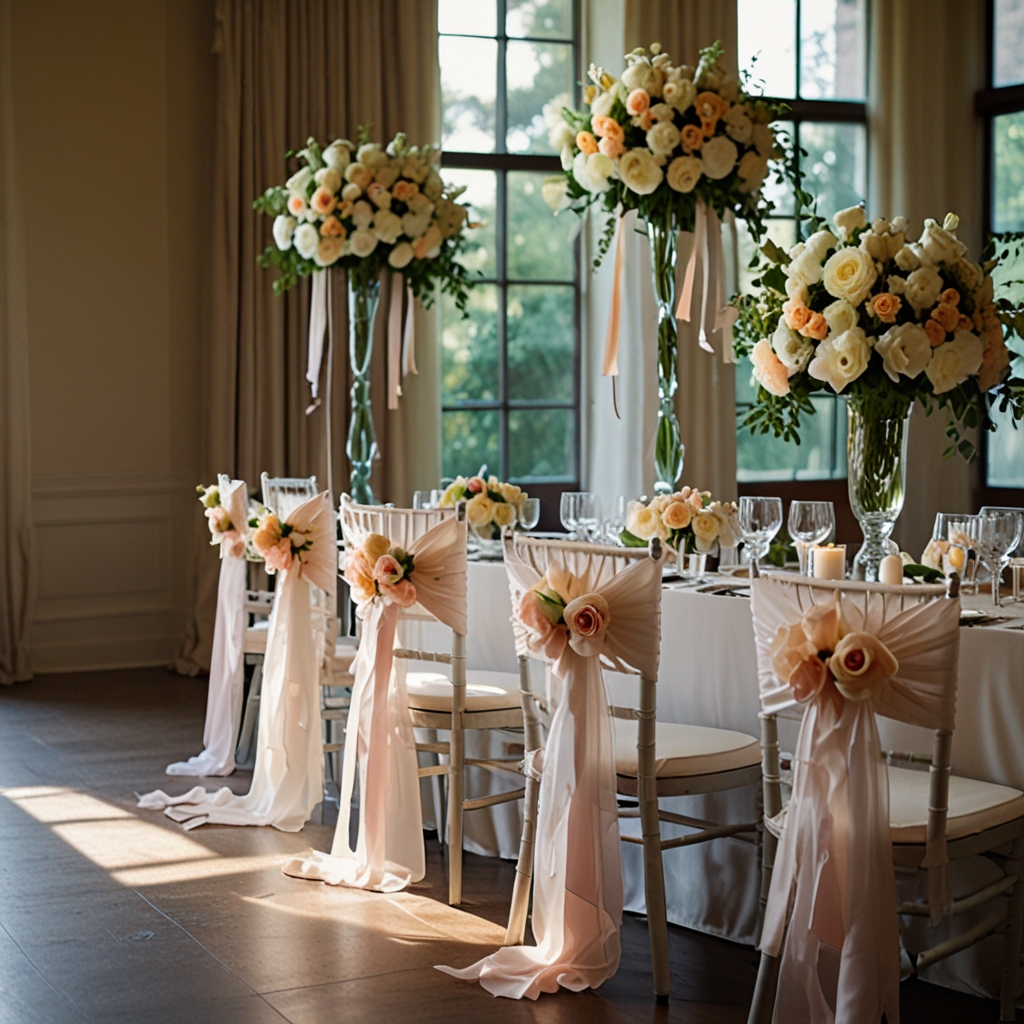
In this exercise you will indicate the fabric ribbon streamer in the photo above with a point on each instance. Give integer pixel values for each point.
(319, 321)
(401, 343)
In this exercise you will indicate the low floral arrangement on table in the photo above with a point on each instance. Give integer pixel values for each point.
(377, 569)
(686, 521)
(556, 611)
(230, 537)
(947, 555)
(490, 504)
(280, 544)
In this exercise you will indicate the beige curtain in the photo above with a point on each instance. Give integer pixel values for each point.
(288, 70)
(16, 539)
(926, 149)
(705, 401)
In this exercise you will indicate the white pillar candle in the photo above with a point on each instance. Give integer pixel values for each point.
(829, 563)
(890, 570)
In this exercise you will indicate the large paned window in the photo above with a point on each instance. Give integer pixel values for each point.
(510, 388)
(811, 54)
(1002, 105)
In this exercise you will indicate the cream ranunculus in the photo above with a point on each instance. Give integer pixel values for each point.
(328, 251)
(639, 171)
(954, 361)
(940, 245)
(794, 350)
(306, 240)
(338, 156)
(841, 359)
(849, 274)
(923, 287)
(358, 174)
(387, 226)
(555, 192)
(400, 256)
(805, 269)
(683, 173)
(663, 138)
(850, 219)
(593, 171)
(718, 155)
(904, 349)
(706, 527)
(644, 522)
(284, 228)
(819, 244)
(329, 178)
(840, 316)
(363, 242)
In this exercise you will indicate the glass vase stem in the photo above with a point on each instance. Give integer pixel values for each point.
(363, 298)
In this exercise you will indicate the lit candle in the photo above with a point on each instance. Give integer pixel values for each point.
(890, 570)
(829, 563)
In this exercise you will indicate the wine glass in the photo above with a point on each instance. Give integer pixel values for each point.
(589, 522)
(615, 521)
(1005, 508)
(962, 531)
(421, 499)
(760, 520)
(810, 522)
(569, 512)
(529, 513)
(998, 532)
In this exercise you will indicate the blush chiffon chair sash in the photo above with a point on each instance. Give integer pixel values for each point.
(379, 741)
(287, 780)
(227, 664)
(832, 902)
(578, 898)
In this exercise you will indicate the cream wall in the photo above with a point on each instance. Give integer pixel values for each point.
(113, 114)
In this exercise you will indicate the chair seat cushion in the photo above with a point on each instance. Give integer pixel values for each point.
(256, 637)
(485, 691)
(682, 751)
(973, 806)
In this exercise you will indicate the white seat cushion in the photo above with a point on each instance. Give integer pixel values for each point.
(973, 806)
(256, 637)
(485, 691)
(682, 751)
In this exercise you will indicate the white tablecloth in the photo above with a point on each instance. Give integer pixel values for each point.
(708, 677)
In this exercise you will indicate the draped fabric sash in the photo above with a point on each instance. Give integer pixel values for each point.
(832, 903)
(388, 854)
(577, 900)
(227, 668)
(287, 780)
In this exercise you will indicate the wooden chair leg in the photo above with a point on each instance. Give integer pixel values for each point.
(456, 771)
(654, 887)
(245, 750)
(1012, 936)
(762, 1006)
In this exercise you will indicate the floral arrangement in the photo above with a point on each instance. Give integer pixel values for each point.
(819, 654)
(364, 208)
(869, 314)
(490, 504)
(231, 538)
(556, 611)
(947, 555)
(280, 544)
(662, 137)
(377, 569)
(687, 521)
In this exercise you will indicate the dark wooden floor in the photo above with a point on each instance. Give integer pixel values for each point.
(110, 914)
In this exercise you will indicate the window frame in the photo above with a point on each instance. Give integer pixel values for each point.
(502, 162)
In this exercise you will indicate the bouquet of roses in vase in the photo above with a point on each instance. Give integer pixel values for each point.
(490, 504)
(687, 521)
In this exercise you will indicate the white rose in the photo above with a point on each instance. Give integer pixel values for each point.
(560, 136)
(565, 158)
(363, 242)
(555, 192)
(820, 242)
(663, 138)
(923, 287)
(351, 192)
(370, 154)
(593, 171)
(907, 259)
(793, 350)
(300, 181)
(840, 316)
(850, 219)
(680, 94)
(415, 224)
(752, 169)
(896, 284)
(337, 155)
(662, 112)
(284, 228)
(602, 105)
(644, 522)
(953, 362)
(306, 239)
(849, 274)
(842, 359)
(683, 173)
(329, 178)
(805, 269)
(639, 171)
(387, 226)
(738, 126)
(387, 174)
(362, 214)
(433, 186)
(904, 349)
(940, 245)
(327, 252)
(400, 256)
(718, 156)
(706, 526)
(764, 139)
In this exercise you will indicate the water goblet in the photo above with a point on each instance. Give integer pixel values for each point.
(615, 522)
(810, 522)
(421, 499)
(999, 533)
(529, 513)
(569, 512)
(589, 523)
(760, 519)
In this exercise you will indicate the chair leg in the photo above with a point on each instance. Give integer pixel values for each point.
(244, 751)
(456, 771)
(654, 886)
(1012, 936)
(516, 931)
(762, 1006)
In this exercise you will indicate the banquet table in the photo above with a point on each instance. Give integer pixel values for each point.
(708, 677)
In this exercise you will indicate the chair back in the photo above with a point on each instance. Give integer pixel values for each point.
(282, 494)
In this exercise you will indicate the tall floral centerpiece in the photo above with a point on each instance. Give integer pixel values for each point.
(885, 321)
(367, 209)
(682, 146)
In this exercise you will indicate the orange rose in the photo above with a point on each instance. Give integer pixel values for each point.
(677, 515)
(707, 127)
(951, 297)
(333, 228)
(359, 575)
(816, 327)
(965, 323)
(606, 127)
(885, 306)
(769, 370)
(638, 102)
(611, 148)
(693, 138)
(709, 106)
(860, 664)
(935, 331)
(586, 142)
(946, 315)
(795, 313)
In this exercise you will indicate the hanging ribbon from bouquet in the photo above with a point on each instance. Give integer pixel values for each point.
(319, 325)
(611, 341)
(401, 339)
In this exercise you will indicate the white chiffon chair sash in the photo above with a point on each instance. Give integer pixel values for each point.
(833, 886)
(577, 900)
(227, 664)
(379, 740)
(287, 780)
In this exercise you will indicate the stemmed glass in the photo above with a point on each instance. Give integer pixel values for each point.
(615, 521)
(996, 534)
(529, 513)
(580, 514)
(810, 522)
(760, 520)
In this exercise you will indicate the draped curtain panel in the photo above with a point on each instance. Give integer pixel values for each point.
(288, 70)
(16, 536)
(926, 159)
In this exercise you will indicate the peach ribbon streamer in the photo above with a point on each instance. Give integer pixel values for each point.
(401, 342)
(611, 341)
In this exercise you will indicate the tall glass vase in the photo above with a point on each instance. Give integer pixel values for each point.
(668, 450)
(876, 455)
(363, 298)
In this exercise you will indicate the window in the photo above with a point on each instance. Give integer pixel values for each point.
(510, 384)
(811, 54)
(1002, 105)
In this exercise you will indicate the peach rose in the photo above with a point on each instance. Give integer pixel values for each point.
(359, 575)
(545, 636)
(611, 148)
(388, 570)
(375, 546)
(790, 650)
(816, 327)
(322, 201)
(769, 369)
(638, 102)
(587, 618)
(885, 306)
(795, 313)
(332, 228)
(606, 127)
(710, 107)
(402, 593)
(280, 557)
(677, 515)
(951, 297)
(476, 485)
(267, 534)
(403, 191)
(965, 323)
(935, 331)
(809, 679)
(946, 316)
(860, 664)
(692, 137)
(586, 142)
(296, 205)
(218, 520)
(821, 624)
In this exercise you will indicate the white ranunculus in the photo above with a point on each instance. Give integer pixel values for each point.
(338, 156)
(593, 171)
(805, 269)
(639, 171)
(284, 228)
(904, 349)
(908, 259)
(351, 192)
(663, 138)
(764, 139)
(850, 219)
(953, 362)
(718, 156)
(387, 226)
(560, 136)
(738, 125)
(896, 285)
(363, 242)
(849, 274)
(555, 192)
(359, 174)
(643, 76)
(306, 239)
(752, 169)
(923, 287)
(329, 178)
(400, 256)
(793, 350)
(327, 251)
(683, 173)
(840, 360)
(820, 242)
(387, 173)
(840, 316)
(602, 105)
(565, 158)
(940, 245)
(680, 94)
(370, 154)
(362, 214)
(300, 181)
(969, 273)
